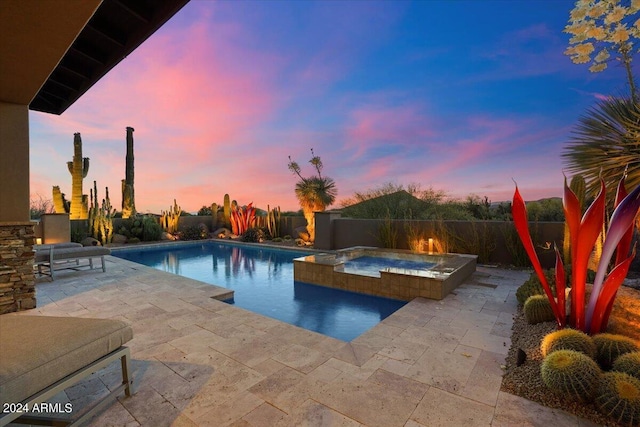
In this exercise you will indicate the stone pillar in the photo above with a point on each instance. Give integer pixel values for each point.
(17, 281)
(14, 162)
(324, 229)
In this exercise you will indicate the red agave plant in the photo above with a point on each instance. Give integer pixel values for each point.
(583, 234)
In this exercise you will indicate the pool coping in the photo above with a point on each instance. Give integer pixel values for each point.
(163, 243)
(197, 361)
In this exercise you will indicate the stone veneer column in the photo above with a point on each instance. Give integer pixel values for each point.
(17, 280)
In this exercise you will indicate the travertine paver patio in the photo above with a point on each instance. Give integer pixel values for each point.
(199, 361)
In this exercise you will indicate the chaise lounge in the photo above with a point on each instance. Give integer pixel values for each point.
(41, 356)
(50, 258)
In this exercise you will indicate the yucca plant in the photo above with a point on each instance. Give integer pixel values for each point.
(605, 139)
(314, 193)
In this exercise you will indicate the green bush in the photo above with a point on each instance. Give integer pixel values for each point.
(254, 235)
(618, 397)
(204, 211)
(192, 232)
(568, 339)
(610, 346)
(142, 227)
(571, 373)
(537, 309)
(628, 363)
(151, 229)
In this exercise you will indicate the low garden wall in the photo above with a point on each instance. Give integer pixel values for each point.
(495, 242)
(287, 223)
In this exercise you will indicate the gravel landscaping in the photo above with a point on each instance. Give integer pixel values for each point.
(525, 380)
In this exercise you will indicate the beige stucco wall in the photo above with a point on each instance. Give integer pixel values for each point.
(14, 162)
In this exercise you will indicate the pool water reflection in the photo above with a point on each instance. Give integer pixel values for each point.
(262, 281)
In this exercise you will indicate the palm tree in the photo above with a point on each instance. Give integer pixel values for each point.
(314, 193)
(606, 143)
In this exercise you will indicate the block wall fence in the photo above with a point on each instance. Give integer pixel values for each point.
(335, 232)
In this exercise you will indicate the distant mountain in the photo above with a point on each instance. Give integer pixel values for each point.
(495, 204)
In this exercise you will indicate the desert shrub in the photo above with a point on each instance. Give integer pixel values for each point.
(151, 229)
(519, 257)
(610, 346)
(204, 211)
(143, 227)
(388, 233)
(571, 373)
(79, 231)
(254, 235)
(191, 232)
(568, 339)
(475, 239)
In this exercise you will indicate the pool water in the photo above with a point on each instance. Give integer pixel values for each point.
(262, 281)
(372, 265)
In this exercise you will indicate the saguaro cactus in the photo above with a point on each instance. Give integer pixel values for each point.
(214, 214)
(273, 221)
(101, 217)
(227, 211)
(128, 200)
(60, 204)
(78, 168)
(169, 219)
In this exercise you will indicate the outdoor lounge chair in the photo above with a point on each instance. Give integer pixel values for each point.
(61, 245)
(56, 257)
(40, 356)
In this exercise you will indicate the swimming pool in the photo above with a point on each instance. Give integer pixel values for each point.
(262, 281)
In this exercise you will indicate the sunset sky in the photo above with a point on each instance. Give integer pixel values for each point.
(461, 96)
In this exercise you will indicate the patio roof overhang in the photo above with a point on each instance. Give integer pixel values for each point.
(52, 52)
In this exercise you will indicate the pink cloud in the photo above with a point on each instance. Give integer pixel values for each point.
(464, 164)
(193, 100)
(377, 125)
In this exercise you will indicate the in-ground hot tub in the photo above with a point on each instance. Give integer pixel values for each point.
(386, 273)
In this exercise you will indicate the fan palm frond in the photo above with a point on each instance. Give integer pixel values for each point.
(605, 142)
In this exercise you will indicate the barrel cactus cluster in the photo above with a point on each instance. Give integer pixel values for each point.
(628, 363)
(611, 346)
(571, 373)
(618, 397)
(603, 369)
(568, 339)
(537, 309)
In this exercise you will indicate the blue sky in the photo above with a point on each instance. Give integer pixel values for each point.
(461, 96)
